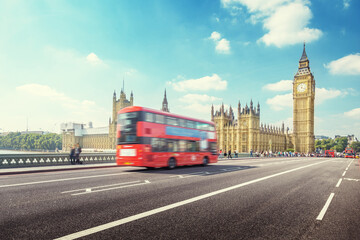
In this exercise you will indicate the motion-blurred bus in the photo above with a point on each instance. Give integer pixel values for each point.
(349, 152)
(151, 138)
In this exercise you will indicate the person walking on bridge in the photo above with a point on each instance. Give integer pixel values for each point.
(77, 153)
(72, 154)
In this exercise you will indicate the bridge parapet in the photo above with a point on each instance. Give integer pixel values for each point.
(51, 159)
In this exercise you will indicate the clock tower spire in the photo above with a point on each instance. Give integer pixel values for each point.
(303, 102)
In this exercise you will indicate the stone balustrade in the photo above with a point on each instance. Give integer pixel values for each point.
(51, 159)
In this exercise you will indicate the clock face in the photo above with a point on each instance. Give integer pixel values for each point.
(301, 87)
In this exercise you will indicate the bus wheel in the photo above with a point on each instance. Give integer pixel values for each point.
(171, 163)
(205, 161)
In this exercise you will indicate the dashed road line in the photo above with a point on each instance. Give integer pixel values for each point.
(89, 190)
(104, 186)
(326, 206)
(338, 184)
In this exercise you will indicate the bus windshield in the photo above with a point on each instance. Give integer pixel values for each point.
(127, 122)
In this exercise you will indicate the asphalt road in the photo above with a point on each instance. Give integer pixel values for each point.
(273, 198)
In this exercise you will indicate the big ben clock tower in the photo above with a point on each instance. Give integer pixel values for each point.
(303, 100)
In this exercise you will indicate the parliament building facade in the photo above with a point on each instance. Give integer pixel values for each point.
(241, 131)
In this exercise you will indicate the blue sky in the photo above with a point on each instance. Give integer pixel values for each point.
(61, 61)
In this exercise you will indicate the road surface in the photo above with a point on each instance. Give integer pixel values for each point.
(265, 198)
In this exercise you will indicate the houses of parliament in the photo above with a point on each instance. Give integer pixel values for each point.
(243, 132)
(239, 131)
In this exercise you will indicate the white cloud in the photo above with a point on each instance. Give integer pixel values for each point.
(206, 83)
(201, 110)
(322, 94)
(49, 94)
(130, 72)
(285, 20)
(191, 98)
(93, 59)
(282, 101)
(348, 65)
(354, 113)
(283, 85)
(279, 102)
(215, 36)
(221, 45)
(346, 4)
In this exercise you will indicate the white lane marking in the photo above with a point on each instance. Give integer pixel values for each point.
(344, 173)
(351, 179)
(171, 206)
(110, 185)
(327, 204)
(349, 165)
(108, 189)
(338, 184)
(60, 180)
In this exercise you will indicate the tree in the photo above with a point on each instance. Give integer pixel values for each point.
(355, 146)
(31, 141)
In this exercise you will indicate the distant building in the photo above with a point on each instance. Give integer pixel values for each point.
(34, 132)
(321, 137)
(165, 106)
(351, 138)
(245, 133)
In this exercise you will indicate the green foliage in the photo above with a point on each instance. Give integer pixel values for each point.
(355, 146)
(338, 144)
(31, 141)
(289, 150)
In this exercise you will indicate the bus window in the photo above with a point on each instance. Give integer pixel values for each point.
(190, 124)
(182, 146)
(127, 122)
(191, 146)
(159, 118)
(149, 117)
(182, 122)
(172, 121)
(213, 148)
(203, 126)
(172, 145)
(162, 145)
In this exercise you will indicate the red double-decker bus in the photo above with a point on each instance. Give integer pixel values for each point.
(329, 153)
(152, 138)
(349, 152)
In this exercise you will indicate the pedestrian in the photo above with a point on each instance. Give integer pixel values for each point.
(251, 153)
(77, 153)
(72, 154)
(229, 156)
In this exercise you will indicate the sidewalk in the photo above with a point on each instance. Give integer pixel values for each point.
(21, 170)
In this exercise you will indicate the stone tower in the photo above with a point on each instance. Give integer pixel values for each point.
(118, 104)
(165, 106)
(303, 102)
